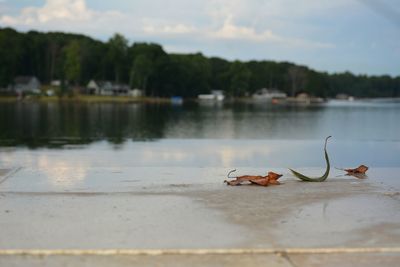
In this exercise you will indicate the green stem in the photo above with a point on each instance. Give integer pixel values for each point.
(316, 179)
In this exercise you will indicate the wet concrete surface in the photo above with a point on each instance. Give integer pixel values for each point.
(164, 208)
(4, 174)
(165, 260)
(346, 260)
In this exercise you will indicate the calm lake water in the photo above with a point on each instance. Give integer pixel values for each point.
(224, 135)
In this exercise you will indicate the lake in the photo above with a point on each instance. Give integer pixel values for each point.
(227, 135)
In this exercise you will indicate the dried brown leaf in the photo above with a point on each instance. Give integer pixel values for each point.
(270, 179)
(358, 172)
(360, 169)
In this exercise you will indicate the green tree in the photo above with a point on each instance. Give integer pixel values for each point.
(79, 58)
(117, 54)
(297, 76)
(239, 78)
(72, 63)
(219, 73)
(317, 84)
(12, 55)
(147, 63)
(142, 68)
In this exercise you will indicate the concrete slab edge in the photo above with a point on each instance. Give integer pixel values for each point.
(156, 252)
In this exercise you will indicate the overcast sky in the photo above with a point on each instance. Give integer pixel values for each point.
(362, 36)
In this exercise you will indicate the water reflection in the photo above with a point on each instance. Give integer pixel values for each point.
(59, 124)
(227, 154)
(61, 173)
(50, 167)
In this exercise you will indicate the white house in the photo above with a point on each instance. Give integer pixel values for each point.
(100, 87)
(267, 94)
(107, 88)
(24, 84)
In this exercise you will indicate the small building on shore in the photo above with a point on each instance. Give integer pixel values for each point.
(268, 94)
(120, 89)
(107, 88)
(99, 88)
(304, 98)
(26, 84)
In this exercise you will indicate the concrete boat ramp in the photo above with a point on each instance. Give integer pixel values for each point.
(168, 216)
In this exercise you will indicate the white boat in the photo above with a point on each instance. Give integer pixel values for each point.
(216, 95)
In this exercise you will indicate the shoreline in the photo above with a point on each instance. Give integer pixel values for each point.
(168, 100)
(86, 99)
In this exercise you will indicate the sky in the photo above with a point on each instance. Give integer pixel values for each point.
(361, 36)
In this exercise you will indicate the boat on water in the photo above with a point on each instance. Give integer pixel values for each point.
(214, 96)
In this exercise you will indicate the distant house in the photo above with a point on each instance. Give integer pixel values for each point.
(305, 98)
(25, 84)
(99, 88)
(303, 95)
(265, 93)
(107, 88)
(120, 89)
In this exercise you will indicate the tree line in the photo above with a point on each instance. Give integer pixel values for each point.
(78, 59)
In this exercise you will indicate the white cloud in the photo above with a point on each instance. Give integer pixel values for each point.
(154, 27)
(233, 20)
(301, 31)
(66, 15)
(73, 10)
(245, 33)
(261, 21)
(231, 31)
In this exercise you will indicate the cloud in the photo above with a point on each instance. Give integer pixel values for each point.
(66, 15)
(154, 28)
(230, 31)
(72, 10)
(225, 20)
(312, 32)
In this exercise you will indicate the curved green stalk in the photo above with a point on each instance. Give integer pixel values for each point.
(316, 179)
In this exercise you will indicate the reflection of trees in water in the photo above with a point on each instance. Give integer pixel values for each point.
(61, 123)
(57, 124)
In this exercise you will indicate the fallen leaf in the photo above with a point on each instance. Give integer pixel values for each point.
(273, 178)
(270, 179)
(360, 169)
(262, 182)
(358, 172)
